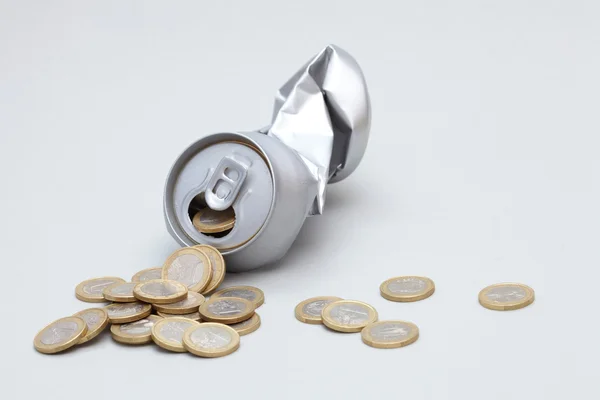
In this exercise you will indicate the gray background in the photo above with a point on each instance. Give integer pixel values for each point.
(482, 167)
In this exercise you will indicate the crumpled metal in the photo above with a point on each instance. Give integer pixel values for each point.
(323, 112)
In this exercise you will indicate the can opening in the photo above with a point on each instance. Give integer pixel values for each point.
(209, 222)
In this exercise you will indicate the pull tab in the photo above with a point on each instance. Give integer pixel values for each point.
(225, 183)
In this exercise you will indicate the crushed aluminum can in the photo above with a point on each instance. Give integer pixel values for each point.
(274, 177)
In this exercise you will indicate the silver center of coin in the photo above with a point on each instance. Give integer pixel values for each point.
(349, 314)
(506, 294)
(173, 330)
(314, 308)
(96, 287)
(210, 337)
(240, 293)
(190, 300)
(226, 307)
(161, 289)
(141, 327)
(150, 275)
(59, 332)
(117, 310)
(123, 289)
(407, 286)
(91, 318)
(187, 269)
(390, 332)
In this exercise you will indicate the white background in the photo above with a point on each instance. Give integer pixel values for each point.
(482, 167)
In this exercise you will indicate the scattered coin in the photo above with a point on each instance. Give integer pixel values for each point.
(91, 290)
(160, 291)
(120, 292)
(60, 335)
(185, 306)
(96, 319)
(211, 340)
(189, 266)
(217, 264)
(247, 326)
(208, 220)
(250, 293)
(122, 313)
(348, 315)
(137, 332)
(407, 288)
(309, 311)
(390, 334)
(506, 296)
(147, 275)
(168, 333)
(226, 310)
(195, 316)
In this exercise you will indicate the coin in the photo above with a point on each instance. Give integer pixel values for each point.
(160, 291)
(211, 340)
(247, 326)
(506, 296)
(217, 264)
(390, 334)
(250, 293)
(348, 315)
(168, 333)
(185, 306)
(60, 335)
(309, 311)
(189, 266)
(121, 313)
(120, 292)
(137, 332)
(96, 319)
(226, 310)
(208, 220)
(195, 316)
(147, 275)
(91, 290)
(407, 288)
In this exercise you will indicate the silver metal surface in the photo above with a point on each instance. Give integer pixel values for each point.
(225, 183)
(350, 314)
(390, 331)
(59, 332)
(506, 294)
(227, 307)
(211, 336)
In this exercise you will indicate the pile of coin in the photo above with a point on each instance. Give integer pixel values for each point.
(176, 293)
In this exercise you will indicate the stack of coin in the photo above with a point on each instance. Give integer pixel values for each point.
(176, 293)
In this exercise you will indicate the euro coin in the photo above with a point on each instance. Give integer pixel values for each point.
(247, 326)
(390, 334)
(217, 264)
(190, 267)
(208, 220)
(122, 313)
(137, 332)
(250, 293)
(226, 310)
(506, 296)
(147, 275)
(195, 316)
(348, 315)
(60, 335)
(120, 292)
(211, 340)
(96, 319)
(160, 291)
(309, 311)
(168, 333)
(188, 305)
(91, 290)
(407, 288)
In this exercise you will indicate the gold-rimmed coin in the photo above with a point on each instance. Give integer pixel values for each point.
(217, 264)
(188, 305)
(189, 266)
(137, 332)
(208, 220)
(250, 293)
(407, 288)
(147, 275)
(211, 340)
(348, 315)
(226, 310)
(60, 335)
(309, 311)
(91, 290)
(506, 296)
(160, 291)
(120, 292)
(168, 333)
(96, 319)
(389, 334)
(122, 313)
(247, 326)
(195, 316)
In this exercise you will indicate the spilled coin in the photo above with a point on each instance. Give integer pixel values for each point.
(195, 316)
(147, 275)
(506, 296)
(188, 305)
(120, 292)
(390, 334)
(211, 340)
(121, 313)
(160, 291)
(250, 293)
(407, 288)
(190, 267)
(96, 319)
(247, 326)
(217, 264)
(137, 332)
(348, 315)
(208, 220)
(60, 335)
(309, 311)
(91, 289)
(226, 310)
(168, 333)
